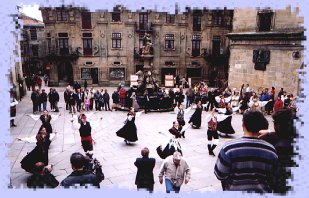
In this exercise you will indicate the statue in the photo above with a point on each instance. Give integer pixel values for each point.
(146, 44)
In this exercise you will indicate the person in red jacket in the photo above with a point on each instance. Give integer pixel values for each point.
(278, 104)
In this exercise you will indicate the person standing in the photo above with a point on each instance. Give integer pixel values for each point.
(56, 100)
(144, 176)
(43, 99)
(196, 118)
(282, 139)
(51, 99)
(181, 116)
(13, 109)
(212, 133)
(176, 170)
(211, 100)
(278, 104)
(72, 101)
(96, 97)
(248, 164)
(66, 96)
(115, 97)
(87, 103)
(134, 102)
(85, 134)
(35, 100)
(190, 96)
(146, 101)
(106, 100)
(46, 118)
(129, 131)
(78, 100)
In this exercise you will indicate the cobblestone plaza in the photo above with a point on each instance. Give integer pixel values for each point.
(116, 157)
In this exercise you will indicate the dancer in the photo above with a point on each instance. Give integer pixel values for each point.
(46, 118)
(196, 118)
(85, 134)
(13, 109)
(212, 134)
(176, 130)
(167, 149)
(180, 116)
(129, 131)
(39, 153)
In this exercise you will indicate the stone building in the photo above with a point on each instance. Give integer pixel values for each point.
(106, 47)
(32, 44)
(266, 48)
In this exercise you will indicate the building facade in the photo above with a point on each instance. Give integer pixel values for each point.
(32, 45)
(266, 49)
(105, 48)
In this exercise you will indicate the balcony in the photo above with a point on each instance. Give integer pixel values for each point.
(143, 27)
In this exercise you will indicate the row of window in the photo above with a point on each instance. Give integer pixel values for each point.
(116, 43)
(264, 19)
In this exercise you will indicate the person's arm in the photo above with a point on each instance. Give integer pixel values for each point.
(222, 166)
(188, 174)
(162, 170)
(136, 163)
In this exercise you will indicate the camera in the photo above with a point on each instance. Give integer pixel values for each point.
(93, 165)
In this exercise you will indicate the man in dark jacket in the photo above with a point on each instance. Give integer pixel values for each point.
(80, 176)
(72, 101)
(56, 99)
(66, 98)
(35, 97)
(211, 97)
(144, 176)
(106, 100)
(43, 99)
(115, 97)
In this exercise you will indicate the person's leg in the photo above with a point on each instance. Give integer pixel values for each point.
(209, 138)
(177, 189)
(215, 141)
(56, 107)
(169, 186)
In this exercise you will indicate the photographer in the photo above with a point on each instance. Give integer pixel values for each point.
(80, 175)
(42, 177)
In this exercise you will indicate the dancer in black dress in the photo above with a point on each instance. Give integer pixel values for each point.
(46, 118)
(129, 131)
(168, 149)
(196, 118)
(39, 153)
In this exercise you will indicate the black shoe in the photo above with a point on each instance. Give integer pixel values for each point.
(126, 142)
(13, 125)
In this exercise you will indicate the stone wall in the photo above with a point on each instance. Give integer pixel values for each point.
(282, 70)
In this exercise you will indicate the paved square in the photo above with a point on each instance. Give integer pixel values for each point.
(116, 157)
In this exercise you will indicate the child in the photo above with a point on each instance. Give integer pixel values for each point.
(87, 103)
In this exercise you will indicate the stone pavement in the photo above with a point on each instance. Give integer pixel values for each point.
(116, 157)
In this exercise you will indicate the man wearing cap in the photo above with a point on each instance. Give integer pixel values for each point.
(176, 171)
(85, 134)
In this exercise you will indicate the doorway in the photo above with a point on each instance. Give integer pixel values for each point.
(167, 71)
(65, 72)
(95, 75)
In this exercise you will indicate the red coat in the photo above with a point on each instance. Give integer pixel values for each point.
(278, 105)
(122, 93)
